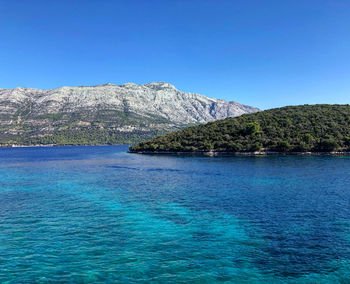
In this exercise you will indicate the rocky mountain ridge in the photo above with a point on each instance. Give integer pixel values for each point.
(29, 115)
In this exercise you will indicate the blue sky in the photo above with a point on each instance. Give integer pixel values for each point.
(263, 53)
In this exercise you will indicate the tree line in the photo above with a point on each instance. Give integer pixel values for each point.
(314, 128)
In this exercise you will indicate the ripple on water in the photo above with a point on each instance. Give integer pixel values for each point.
(97, 214)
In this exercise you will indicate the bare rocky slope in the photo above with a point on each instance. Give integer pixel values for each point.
(104, 114)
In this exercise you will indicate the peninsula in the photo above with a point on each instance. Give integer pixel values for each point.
(291, 129)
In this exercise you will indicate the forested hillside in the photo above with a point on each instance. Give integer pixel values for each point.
(315, 128)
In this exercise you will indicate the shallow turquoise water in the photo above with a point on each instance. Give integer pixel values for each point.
(98, 214)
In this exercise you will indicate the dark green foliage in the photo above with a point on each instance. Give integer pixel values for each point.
(282, 146)
(252, 128)
(326, 145)
(288, 129)
(51, 116)
(257, 146)
(88, 136)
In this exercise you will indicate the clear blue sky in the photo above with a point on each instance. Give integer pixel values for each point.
(263, 53)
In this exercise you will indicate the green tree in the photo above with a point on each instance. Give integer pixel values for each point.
(282, 146)
(257, 146)
(252, 128)
(327, 145)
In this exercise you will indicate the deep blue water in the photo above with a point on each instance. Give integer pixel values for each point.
(99, 214)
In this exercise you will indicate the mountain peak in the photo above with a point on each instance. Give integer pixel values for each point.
(156, 98)
(123, 111)
(103, 85)
(160, 85)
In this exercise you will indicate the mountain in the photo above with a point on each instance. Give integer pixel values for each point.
(104, 114)
(314, 128)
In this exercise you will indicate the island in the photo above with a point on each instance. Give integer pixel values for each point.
(299, 129)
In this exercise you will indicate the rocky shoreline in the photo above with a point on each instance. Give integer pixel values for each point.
(197, 153)
(258, 153)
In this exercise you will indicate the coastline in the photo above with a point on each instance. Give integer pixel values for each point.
(56, 145)
(195, 153)
(232, 154)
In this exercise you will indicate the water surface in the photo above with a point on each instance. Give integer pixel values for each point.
(99, 214)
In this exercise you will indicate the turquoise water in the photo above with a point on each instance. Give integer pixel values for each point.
(99, 214)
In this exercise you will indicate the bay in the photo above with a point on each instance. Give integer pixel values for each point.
(100, 214)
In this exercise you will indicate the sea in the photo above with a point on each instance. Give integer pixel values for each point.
(98, 214)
